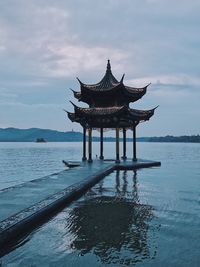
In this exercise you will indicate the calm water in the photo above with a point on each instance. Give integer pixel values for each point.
(146, 218)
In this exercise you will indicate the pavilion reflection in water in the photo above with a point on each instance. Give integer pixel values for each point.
(112, 223)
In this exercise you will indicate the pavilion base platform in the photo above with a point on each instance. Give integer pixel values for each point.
(24, 206)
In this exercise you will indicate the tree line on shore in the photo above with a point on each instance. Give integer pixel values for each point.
(32, 134)
(181, 139)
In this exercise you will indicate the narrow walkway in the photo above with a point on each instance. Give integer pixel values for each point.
(26, 203)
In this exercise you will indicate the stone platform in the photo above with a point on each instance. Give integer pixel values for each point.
(25, 205)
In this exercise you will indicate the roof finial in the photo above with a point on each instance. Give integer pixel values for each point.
(79, 80)
(108, 65)
(121, 81)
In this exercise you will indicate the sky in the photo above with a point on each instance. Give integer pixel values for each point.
(46, 44)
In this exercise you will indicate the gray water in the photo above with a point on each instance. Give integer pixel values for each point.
(144, 218)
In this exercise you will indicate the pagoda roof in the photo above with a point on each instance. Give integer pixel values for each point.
(110, 86)
(104, 111)
(107, 82)
(99, 111)
(128, 90)
(125, 114)
(136, 90)
(108, 102)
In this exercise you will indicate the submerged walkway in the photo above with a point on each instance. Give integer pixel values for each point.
(23, 205)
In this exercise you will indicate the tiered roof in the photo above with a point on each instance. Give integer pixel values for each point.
(109, 91)
(108, 103)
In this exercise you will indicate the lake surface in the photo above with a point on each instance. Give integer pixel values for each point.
(146, 218)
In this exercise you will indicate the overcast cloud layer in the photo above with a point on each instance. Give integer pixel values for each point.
(45, 44)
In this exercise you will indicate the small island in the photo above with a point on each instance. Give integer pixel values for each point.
(40, 140)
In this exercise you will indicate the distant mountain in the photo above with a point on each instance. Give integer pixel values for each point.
(32, 134)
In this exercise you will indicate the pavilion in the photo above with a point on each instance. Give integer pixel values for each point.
(108, 102)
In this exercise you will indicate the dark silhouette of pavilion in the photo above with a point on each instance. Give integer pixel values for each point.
(109, 108)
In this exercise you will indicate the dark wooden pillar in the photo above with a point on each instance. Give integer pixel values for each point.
(84, 145)
(117, 146)
(134, 144)
(101, 144)
(90, 145)
(124, 144)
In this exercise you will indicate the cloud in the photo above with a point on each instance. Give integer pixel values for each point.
(2, 48)
(70, 60)
(60, 39)
(7, 96)
(170, 80)
(45, 44)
